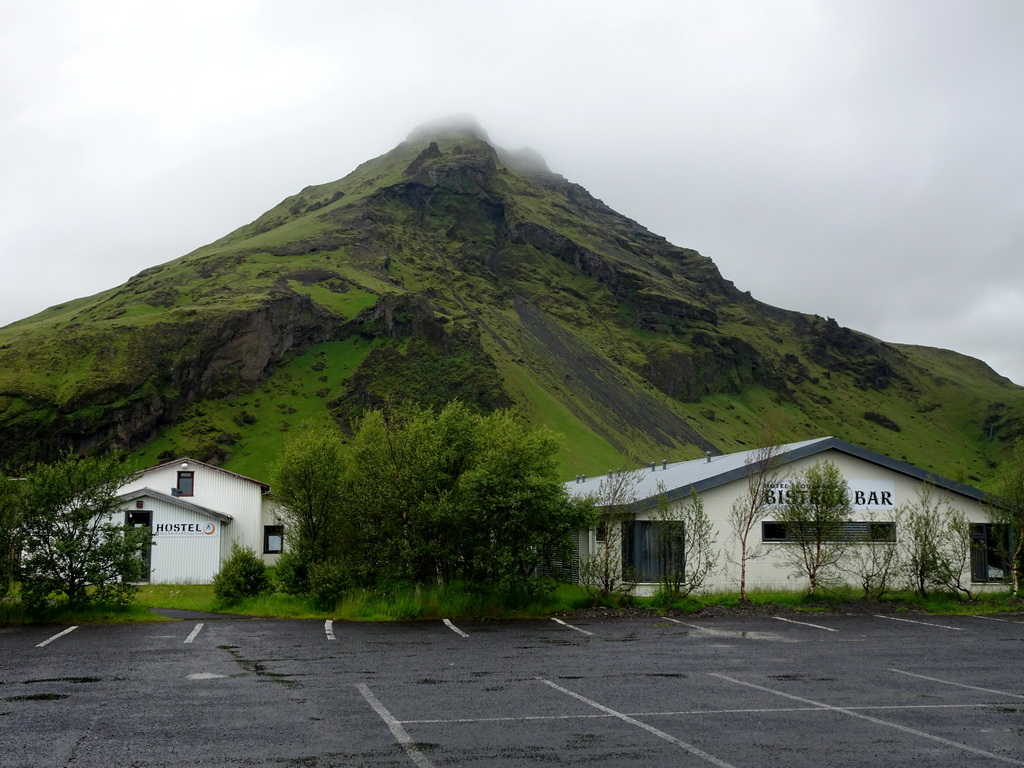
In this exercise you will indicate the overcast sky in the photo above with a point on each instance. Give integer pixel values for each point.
(857, 159)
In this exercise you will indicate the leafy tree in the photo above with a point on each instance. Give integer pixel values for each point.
(75, 542)
(309, 485)
(603, 574)
(514, 513)
(425, 497)
(1008, 509)
(10, 531)
(754, 504)
(816, 509)
(686, 540)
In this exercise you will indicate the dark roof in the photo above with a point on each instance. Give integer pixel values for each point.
(698, 475)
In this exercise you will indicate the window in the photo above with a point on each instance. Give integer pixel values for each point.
(186, 483)
(990, 546)
(854, 532)
(650, 549)
(273, 539)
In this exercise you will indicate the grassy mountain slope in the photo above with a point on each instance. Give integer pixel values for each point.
(447, 268)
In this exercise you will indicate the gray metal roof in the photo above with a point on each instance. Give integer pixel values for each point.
(698, 475)
(176, 501)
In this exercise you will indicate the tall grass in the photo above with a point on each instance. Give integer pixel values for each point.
(842, 598)
(457, 601)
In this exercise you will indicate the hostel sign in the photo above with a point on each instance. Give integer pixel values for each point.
(184, 529)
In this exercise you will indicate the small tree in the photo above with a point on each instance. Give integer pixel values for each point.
(242, 575)
(75, 541)
(875, 561)
(1008, 509)
(686, 540)
(603, 574)
(920, 543)
(954, 565)
(816, 510)
(754, 504)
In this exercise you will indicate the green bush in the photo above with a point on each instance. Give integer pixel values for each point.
(291, 574)
(242, 575)
(327, 582)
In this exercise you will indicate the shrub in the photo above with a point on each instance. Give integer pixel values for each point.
(242, 575)
(291, 574)
(327, 582)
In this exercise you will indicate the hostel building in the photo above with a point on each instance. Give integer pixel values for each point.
(878, 486)
(196, 512)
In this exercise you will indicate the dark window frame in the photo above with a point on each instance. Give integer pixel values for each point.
(270, 531)
(190, 475)
(990, 548)
(855, 532)
(647, 554)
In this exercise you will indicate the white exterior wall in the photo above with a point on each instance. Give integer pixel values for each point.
(186, 544)
(185, 559)
(770, 571)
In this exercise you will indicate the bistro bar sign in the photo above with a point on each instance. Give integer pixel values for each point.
(864, 494)
(184, 529)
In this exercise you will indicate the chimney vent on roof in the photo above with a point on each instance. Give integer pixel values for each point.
(583, 478)
(664, 463)
(653, 465)
(708, 454)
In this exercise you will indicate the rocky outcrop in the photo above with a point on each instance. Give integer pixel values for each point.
(160, 370)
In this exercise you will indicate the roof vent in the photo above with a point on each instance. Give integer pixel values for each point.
(708, 454)
(664, 463)
(653, 465)
(175, 492)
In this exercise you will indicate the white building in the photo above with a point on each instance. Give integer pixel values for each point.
(878, 485)
(196, 512)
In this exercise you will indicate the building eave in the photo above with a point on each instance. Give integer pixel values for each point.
(176, 501)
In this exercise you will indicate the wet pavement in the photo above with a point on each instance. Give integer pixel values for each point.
(769, 691)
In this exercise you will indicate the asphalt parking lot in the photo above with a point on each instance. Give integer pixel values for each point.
(818, 691)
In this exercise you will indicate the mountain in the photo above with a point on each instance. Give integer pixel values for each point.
(451, 268)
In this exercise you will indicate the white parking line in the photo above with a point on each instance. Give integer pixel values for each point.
(453, 628)
(806, 624)
(875, 720)
(195, 632)
(649, 728)
(59, 634)
(329, 629)
(993, 618)
(682, 712)
(958, 685)
(570, 626)
(923, 623)
(400, 734)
